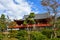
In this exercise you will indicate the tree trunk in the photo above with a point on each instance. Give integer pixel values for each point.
(34, 28)
(51, 36)
(11, 30)
(55, 34)
(54, 25)
(28, 31)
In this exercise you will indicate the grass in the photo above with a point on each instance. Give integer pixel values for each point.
(9, 39)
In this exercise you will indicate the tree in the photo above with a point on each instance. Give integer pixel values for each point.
(3, 25)
(11, 25)
(29, 20)
(52, 6)
(32, 15)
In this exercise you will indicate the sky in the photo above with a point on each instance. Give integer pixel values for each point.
(16, 9)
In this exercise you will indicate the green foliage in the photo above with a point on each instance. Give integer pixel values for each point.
(35, 35)
(55, 39)
(22, 35)
(58, 18)
(2, 26)
(3, 23)
(13, 33)
(12, 24)
(25, 23)
(32, 15)
(47, 32)
(1, 36)
(30, 19)
(58, 23)
(2, 17)
(58, 32)
(22, 38)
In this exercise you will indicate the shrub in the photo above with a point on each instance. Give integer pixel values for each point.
(37, 36)
(55, 39)
(47, 32)
(22, 35)
(1, 36)
(13, 33)
(23, 38)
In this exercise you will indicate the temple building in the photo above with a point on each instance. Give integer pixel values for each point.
(42, 21)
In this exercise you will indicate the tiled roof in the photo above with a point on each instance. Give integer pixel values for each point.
(39, 16)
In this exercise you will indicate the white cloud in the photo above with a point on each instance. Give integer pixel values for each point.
(15, 11)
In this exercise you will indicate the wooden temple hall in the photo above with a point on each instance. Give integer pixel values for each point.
(42, 21)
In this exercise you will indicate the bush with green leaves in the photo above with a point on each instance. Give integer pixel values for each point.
(58, 32)
(22, 38)
(47, 32)
(22, 35)
(13, 33)
(1, 36)
(55, 39)
(35, 35)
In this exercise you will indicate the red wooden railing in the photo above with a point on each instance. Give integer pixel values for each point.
(30, 25)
